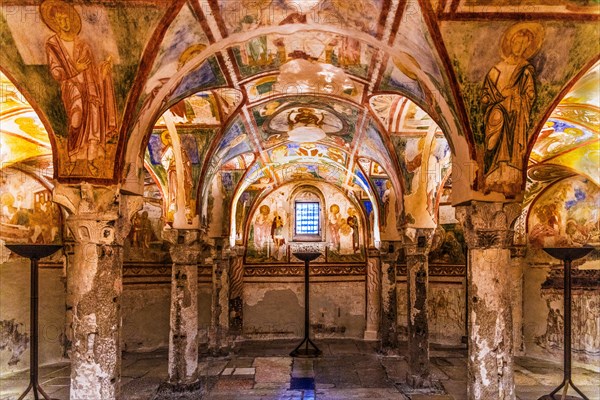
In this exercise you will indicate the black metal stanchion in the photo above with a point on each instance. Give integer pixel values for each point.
(566, 254)
(299, 351)
(34, 252)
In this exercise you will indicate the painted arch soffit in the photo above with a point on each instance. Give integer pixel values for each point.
(570, 139)
(24, 142)
(321, 51)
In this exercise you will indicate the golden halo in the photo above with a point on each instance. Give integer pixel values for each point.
(48, 10)
(538, 37)
(163, 137)
(264, 209)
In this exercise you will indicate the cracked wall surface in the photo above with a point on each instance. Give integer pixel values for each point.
(14, 315)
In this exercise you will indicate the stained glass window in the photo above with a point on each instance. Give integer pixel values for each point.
(307, 218)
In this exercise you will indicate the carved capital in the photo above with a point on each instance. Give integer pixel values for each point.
(97, 214)
(186, 246)
(86, 199)
(488, 225)
(417, 241)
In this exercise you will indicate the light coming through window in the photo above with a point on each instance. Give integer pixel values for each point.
(307, 218)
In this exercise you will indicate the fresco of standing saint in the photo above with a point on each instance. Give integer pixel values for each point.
(86, 88)
(508, 96)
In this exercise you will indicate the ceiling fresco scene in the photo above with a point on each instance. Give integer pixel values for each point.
(563, 173)
(276, 90)
(185, 153)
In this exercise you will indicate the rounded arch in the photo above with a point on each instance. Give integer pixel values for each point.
(456, 136)
(299, 188)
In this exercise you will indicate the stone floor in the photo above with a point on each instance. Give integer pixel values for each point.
(346, 370)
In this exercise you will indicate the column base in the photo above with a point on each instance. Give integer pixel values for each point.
(417, 384)
(180, 391)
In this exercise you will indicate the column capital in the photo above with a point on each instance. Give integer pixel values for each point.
(97, 214)
(417, 241)
(488, 225)
(186, 245)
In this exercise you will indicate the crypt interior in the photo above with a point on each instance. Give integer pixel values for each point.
(184, 154)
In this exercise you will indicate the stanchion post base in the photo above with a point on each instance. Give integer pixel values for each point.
(303, 351)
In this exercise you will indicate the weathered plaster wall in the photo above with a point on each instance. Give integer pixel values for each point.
(543, 310)
(14, 315)
(446, 310)
(146, 315)
(275, 308)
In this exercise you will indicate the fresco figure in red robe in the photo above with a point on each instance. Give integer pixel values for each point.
(86, 87)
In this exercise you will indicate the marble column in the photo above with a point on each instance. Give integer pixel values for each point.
(416, 247)
(490, 361)
(99, 220)
(185, 250)
(373, 283)
(389, 252)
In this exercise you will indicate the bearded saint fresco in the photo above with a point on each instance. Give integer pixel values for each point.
(86, 88)
(508, 96)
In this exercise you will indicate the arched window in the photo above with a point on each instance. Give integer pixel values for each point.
(308, 216)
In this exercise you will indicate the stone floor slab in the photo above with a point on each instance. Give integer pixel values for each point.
(348, 370)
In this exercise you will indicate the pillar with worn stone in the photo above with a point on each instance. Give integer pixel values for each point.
(373, 295)
(416, 247)
(517, 261)
(236, 291)
(389, 252)
(99, 220)
(488, 235)
(218, 335)
(185, 249)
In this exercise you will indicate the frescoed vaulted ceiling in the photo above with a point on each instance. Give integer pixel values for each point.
(564, 168)
(191, 89)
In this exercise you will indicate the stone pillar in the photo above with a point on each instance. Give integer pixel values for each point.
(218, 334)
(373, 283)
(99, 220)
(517, 264)
(236, 292)
(183, 336)
(416, 247)
(389, 301)
(69, 249)
(490, 361)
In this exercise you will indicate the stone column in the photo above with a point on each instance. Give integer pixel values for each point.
(389, 300)
(517, 264)
(69, 249)
(218, 335)
(373, 283)
(99, 221)
(183, 336)
(490, 361)
(236, 292)
(416, 246)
